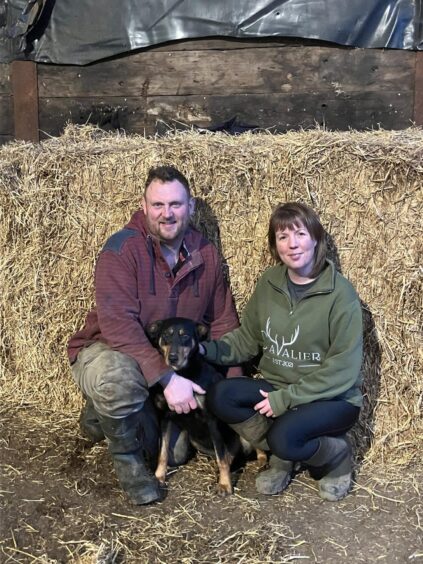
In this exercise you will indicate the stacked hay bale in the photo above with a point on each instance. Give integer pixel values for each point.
(60, 200)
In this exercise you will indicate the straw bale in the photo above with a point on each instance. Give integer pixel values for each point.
(61, 199)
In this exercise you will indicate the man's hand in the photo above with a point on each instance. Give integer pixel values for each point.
(179, 394)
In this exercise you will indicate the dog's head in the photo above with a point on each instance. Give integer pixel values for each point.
(177, 339)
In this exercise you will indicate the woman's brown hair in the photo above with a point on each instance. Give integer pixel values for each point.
(291, 215)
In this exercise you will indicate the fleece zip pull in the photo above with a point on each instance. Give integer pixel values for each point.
(150, 250)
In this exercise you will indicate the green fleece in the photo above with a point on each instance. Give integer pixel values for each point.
(311, 350)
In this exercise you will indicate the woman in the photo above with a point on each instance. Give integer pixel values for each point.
(305, 319)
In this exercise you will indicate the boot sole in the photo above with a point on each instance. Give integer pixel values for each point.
(144, 498)
(277, 490)
(331, 497)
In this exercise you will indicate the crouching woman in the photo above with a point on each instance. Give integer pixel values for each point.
(305, 319)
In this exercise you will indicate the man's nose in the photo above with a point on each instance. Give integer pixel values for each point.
(167, 211)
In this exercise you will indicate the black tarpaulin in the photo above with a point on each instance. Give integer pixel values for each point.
(83, 31)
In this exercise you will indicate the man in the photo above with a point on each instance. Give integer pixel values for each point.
(156, 267)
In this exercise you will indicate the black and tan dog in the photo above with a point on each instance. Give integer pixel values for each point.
(177, 339)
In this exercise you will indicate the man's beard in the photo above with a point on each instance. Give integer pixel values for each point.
(164, 235)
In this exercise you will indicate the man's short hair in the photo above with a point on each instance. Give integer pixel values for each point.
(166, 173)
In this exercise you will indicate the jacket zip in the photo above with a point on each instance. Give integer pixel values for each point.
(288, 296)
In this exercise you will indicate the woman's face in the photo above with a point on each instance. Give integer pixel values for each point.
(296, 249)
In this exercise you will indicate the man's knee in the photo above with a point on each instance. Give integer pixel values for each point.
(112, 380)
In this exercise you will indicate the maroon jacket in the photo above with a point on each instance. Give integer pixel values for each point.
(135, 286)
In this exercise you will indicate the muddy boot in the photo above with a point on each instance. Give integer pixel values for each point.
(149, 434)
(89, 423)
(254, 430)
(276, 478)
(128, 456)
(331, 465)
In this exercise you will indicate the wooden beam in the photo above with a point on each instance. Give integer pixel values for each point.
(418, 90)
(25, 100)
(4, 79)
(244, 71)
(6, 117)
(281, 112)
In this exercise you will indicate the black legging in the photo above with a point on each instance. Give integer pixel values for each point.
(293, 435)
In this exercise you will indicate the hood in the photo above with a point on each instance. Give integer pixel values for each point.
(138, 222)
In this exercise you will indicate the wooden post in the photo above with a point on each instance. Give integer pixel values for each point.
(418, 90)
(25, 100)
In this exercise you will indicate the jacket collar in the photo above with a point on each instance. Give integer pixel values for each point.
(324, 284)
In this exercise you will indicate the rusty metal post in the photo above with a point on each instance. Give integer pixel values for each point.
(25, 100)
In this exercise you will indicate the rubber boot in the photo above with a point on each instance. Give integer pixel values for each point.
(278, 475)
(331, 465)
(254, 430)
(89, 423)
(276, 478)
(149, 434)
(126, 449)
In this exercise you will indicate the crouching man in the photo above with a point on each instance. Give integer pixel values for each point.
(156, 267)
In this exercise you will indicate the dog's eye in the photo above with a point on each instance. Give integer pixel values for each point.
(185, 339)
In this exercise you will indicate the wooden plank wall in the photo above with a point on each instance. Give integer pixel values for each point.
(270, 84)
(6, 109)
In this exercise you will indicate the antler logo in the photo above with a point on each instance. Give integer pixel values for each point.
(275, 340)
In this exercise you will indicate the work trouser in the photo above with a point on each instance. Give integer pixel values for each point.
(117, 388)
(111, 379)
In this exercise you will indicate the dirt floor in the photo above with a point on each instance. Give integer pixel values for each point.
(60, 502)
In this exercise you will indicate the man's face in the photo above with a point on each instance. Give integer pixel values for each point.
(167, 208)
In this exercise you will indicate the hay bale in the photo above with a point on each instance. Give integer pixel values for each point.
(61, 199)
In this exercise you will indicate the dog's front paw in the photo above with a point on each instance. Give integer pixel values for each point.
(161, 476)
(261, 458)
(223, 490)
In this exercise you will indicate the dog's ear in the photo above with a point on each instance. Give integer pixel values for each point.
(153, 331)
(202, 331)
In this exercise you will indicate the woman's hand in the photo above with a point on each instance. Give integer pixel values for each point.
(263, 407)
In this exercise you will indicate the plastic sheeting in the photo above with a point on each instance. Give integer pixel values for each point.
(83, 31)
